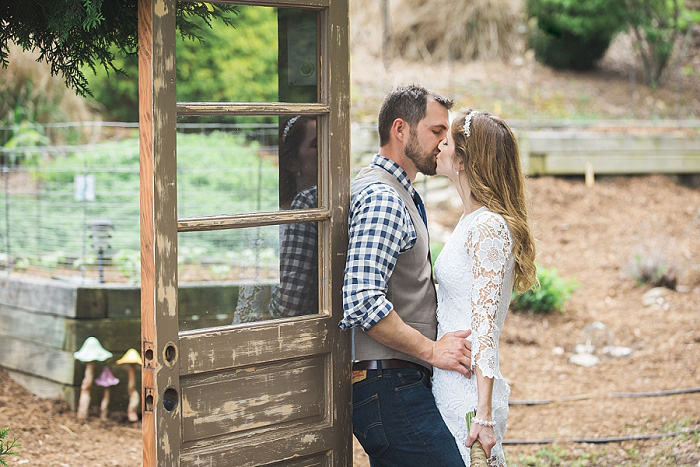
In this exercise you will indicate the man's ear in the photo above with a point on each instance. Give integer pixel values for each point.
(399, 129)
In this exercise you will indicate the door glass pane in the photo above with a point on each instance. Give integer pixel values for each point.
(264, 54)
(259, 164)
(247, 275)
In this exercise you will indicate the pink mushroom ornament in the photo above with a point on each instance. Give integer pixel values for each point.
(106, 380)
(91, 352)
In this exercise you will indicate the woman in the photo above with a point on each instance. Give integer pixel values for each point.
(299, 242)
(490, 252)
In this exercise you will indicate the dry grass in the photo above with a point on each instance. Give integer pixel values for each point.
(436, 31)
(29, 92)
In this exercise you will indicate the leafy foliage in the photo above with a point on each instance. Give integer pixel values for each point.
(656, 26)
(225, 64)
(73, 34)
(653, 270)
(549, 296)
(6, 447)
(574, 35)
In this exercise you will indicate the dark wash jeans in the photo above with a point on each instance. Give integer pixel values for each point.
(397, 422)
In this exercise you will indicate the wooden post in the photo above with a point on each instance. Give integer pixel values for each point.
(158, 199)
(146, 205)
(590, 174)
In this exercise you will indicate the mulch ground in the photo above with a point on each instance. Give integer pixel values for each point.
(592, 234)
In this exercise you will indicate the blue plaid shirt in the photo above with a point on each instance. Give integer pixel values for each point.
(379, 228)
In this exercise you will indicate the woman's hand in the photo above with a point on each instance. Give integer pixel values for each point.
(485, 435)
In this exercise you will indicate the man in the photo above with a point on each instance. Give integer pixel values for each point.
(389, 294)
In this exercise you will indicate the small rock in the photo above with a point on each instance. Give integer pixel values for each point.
(584, 348)
(584, 359)
(617, 351)
(655, 296)
(558, 351)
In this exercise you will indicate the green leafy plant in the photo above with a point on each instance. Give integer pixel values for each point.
(71, 35)
(23, 142)
(655, 26)
(129, 264)
(653, 270)
(236, 64)
(551, 294)
(6, 447)
(573, 35)
(435, 249)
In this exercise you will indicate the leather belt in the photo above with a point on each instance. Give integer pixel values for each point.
(389, 364)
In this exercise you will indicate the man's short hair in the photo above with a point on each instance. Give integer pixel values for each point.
(408, 103)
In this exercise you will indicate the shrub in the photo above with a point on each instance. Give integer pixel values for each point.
(6, 447)
(29, 95)
(574, 35)
(653, 270)
(435, 249)
(231, 64)
(656, 26)
(549, 296)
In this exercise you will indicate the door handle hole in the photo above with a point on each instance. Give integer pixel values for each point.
(170, 399)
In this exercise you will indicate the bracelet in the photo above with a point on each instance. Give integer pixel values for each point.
(479, 421)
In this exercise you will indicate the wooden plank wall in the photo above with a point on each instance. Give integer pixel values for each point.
(573, 152)
(42, 322)
(572, 148)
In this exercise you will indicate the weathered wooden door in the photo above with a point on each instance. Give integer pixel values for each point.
(263, 380)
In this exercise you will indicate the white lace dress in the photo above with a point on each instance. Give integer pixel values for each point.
(475, 276)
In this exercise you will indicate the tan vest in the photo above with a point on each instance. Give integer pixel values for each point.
(411, 288)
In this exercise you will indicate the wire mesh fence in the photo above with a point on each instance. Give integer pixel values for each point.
(57, 180)
(70, 201)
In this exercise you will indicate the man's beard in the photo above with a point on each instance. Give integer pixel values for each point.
(424, 162)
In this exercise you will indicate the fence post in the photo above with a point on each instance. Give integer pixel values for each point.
(84, 226)
(6, 173)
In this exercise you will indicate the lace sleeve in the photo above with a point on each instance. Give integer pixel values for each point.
(489, 245)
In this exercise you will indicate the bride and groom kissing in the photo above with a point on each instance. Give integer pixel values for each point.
(426, 377)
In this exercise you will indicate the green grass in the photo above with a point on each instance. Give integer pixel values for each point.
(218, 173)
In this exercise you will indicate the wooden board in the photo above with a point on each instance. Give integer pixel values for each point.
(32, 326)
(572, 152)
(42, 296)
(253, 398)
(34, 358)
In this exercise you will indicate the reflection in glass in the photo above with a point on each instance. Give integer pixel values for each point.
(227, 169)
(299, 190)
(263, 54)
(299, 164)
(247, 275)
(245, 167)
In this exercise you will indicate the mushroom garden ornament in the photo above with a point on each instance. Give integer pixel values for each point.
(132, 358)
(106, 380)
(89, 353)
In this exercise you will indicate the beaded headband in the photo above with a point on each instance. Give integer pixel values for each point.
(288, 127)
(468, 121)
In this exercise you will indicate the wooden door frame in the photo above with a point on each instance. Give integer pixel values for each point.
(158, 111)
(158, 199)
